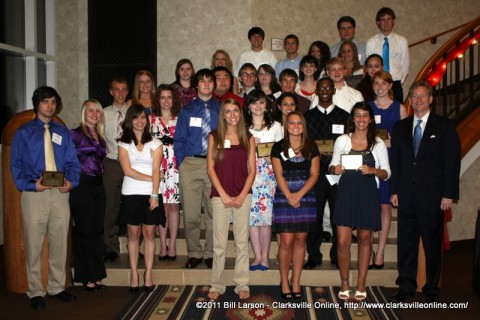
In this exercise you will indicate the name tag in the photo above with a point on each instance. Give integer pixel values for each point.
(195, 122)
(378, 119)
(226, 144)
(56, 138)
(291, 154)
(338, 128)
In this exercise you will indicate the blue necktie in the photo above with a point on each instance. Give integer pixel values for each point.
(386, 55)
(205, 129)
(417, 136)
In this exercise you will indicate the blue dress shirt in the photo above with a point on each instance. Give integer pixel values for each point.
(27, 160)
(188, 135)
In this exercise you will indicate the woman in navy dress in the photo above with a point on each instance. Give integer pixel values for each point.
(358, 202)
(387, 112)
(296, 164)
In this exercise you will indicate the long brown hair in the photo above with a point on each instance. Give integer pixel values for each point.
(306, 145)
(156, 109)
(372, 126)
(219, 138)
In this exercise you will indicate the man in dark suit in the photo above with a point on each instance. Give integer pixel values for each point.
(425, 167)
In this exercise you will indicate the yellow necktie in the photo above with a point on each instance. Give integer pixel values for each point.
(49, 156)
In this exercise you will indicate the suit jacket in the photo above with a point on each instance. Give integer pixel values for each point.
(434, 172)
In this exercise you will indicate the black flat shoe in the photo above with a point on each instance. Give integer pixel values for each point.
(95, 288)
(378, 266)
(63, 296)
(37, 303)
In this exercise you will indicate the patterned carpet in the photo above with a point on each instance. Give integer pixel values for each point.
(265, 303)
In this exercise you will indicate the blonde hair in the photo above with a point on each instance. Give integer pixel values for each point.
(219, 138)
(100, 126)
(228, 63)
(136, 90)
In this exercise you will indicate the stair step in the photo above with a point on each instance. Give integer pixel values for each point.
(174, 272)
(390, 248)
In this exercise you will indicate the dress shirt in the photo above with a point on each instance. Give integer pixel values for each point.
(288, 64)
(28, 154)
(256, 58)
(398, 49)
(422, 124)
(344, 98)
(360, 48)
(111, 118)
(188, 134)
(90, 152)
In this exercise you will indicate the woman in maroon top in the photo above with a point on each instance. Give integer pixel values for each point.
(231, 168)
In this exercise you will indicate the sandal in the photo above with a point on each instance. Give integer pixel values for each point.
(243, 294)
(213, 295)
(344, 295)
(360, 295)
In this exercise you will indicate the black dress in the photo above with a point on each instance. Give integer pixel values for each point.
(357, 202)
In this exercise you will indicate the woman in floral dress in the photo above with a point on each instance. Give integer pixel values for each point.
(260, 124)
(163, 122)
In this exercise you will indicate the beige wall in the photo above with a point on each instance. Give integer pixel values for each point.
(196, 29)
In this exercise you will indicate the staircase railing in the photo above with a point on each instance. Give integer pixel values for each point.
(454, 73)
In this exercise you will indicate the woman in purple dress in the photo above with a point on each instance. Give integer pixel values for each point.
(387, 111)
(87, 201)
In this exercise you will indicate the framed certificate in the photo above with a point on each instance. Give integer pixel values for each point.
(325, 146)
(52, 178)
(351, 161)
(382, 133)
(264, 149)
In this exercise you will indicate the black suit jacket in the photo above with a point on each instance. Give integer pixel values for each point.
(434, 172)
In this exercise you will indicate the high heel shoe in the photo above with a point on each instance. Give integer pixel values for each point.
(147, 288)
(360, 295)
(285, 295)
(378, 266)
(296, 295)
(371, 266)
(134, 289)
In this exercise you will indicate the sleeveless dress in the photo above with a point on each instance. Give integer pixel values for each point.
(296, 172)
(357, 203)
(169, 185)
(388, 117)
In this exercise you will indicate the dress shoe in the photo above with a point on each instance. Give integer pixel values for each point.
(100, 286)
(63, 296)
(192, 263)
(432, 298)
(209, 263)
(400, 296)
(37, 303)
(171, 258)
(163, 258)
(110, 256)
(133, 289)
(148, 288)
(310, 265)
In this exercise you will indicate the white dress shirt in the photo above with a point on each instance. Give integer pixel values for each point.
(111, 119)
(256, 58)
(398, 53)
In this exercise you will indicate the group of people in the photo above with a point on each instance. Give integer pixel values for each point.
(263, 153)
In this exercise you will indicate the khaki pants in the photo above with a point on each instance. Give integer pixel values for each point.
(45, 213)
(221, 224)
(195, 188)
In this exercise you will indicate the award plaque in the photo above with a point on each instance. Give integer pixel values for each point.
(352, 161)
(53, 179)
(382, 133)
(264, 149)
(325, 146)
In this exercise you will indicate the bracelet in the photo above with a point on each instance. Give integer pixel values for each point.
(154, 196)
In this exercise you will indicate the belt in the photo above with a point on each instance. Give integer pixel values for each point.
(203, 156)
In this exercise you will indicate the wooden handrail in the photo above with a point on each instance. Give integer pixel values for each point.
(422, 74)
(433, 39)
